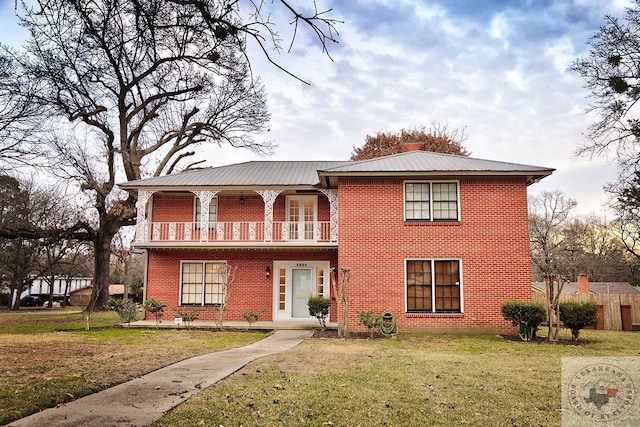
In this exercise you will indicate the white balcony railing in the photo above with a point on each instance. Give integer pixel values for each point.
(236, 232)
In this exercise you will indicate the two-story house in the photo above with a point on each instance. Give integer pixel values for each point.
(439, 240)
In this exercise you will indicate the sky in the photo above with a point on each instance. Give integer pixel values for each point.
(497, 69)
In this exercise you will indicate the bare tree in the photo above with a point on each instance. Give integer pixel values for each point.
(137, 88)
(229, 274)
(24, 206)
(549, 213)
(611, 72)
(341, 284)
(18, 115)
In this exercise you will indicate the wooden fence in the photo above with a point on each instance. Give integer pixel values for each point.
(616, 312)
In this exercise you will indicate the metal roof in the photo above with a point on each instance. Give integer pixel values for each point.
(255, 173)
(421, 161)
(310, 173)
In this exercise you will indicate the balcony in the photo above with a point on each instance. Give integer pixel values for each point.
(240, 234)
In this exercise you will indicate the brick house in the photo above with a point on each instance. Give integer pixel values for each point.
(439, 240)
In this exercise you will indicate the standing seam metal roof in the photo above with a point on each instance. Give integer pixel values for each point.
(307, 173)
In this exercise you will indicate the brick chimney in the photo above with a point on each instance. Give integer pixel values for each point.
(583, 284)
(411, 146)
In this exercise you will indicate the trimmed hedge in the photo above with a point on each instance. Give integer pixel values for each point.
(577, 315)
(530, 313)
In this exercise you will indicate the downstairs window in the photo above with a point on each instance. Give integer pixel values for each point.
(202, 283)
(433, 286)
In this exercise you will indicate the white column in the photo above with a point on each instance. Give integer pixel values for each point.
(269, 198)
(332, 195)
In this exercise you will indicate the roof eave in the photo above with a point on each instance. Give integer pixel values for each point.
(532, 177)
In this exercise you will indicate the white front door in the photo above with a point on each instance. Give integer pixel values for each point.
(293, 283)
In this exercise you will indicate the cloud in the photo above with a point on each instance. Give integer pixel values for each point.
(496, 68)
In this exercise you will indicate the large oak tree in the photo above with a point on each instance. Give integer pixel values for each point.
(128, 89)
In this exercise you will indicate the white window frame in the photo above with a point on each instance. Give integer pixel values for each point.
(197, 212)
(301, 222)
(433, 287)
(203, 295)
(430, 183)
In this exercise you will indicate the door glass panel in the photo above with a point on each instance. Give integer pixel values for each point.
(294, 218)
(309, 211)
(301, 289)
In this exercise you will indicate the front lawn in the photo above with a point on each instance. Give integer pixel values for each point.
(49, 358)
(413, 380)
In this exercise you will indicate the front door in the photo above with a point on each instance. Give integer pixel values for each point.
(300, 290)
(293, 283)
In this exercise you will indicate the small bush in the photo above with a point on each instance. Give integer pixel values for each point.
(127, 309)
(529, 313)
(577, 315)
(369, 320)
(319, 308)
(252, 316)
(188, 315)
(156, 308)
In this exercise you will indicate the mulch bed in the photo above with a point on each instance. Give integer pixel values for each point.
(543, 340)
(333, 333)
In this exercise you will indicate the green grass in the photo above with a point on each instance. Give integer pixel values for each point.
(47, 359)
(40, 323)
(414, 380)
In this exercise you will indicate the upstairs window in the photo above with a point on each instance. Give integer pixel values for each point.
(433, 286)
(213, 213)
(431, 201)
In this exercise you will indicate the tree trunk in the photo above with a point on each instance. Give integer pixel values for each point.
(102, 257)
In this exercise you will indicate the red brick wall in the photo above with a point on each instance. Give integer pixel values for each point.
(491, 240)
(178, 207)
(250, 291)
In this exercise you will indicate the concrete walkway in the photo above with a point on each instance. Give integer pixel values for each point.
(144, 400)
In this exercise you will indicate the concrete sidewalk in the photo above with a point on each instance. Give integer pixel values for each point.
(143, 400)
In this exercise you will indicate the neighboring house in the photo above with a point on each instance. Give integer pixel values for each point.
(583, 285)
(439, 240)
(81, 297)
(618, 302)
(39, 286)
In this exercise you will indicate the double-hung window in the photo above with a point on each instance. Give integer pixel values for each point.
(213, 213)
(202, 283)
(433, 286)
(431, 201)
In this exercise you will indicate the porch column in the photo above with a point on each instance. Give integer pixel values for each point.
(142, 231)
(205, 197)
(269, 198)
(332, 195)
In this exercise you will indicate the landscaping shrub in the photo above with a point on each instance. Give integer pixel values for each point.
(577, 315)
(319, 308)
(252, 316)
(529, 313)
(127, 309)
(188, 315)
(369, 320)
(156, 308)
